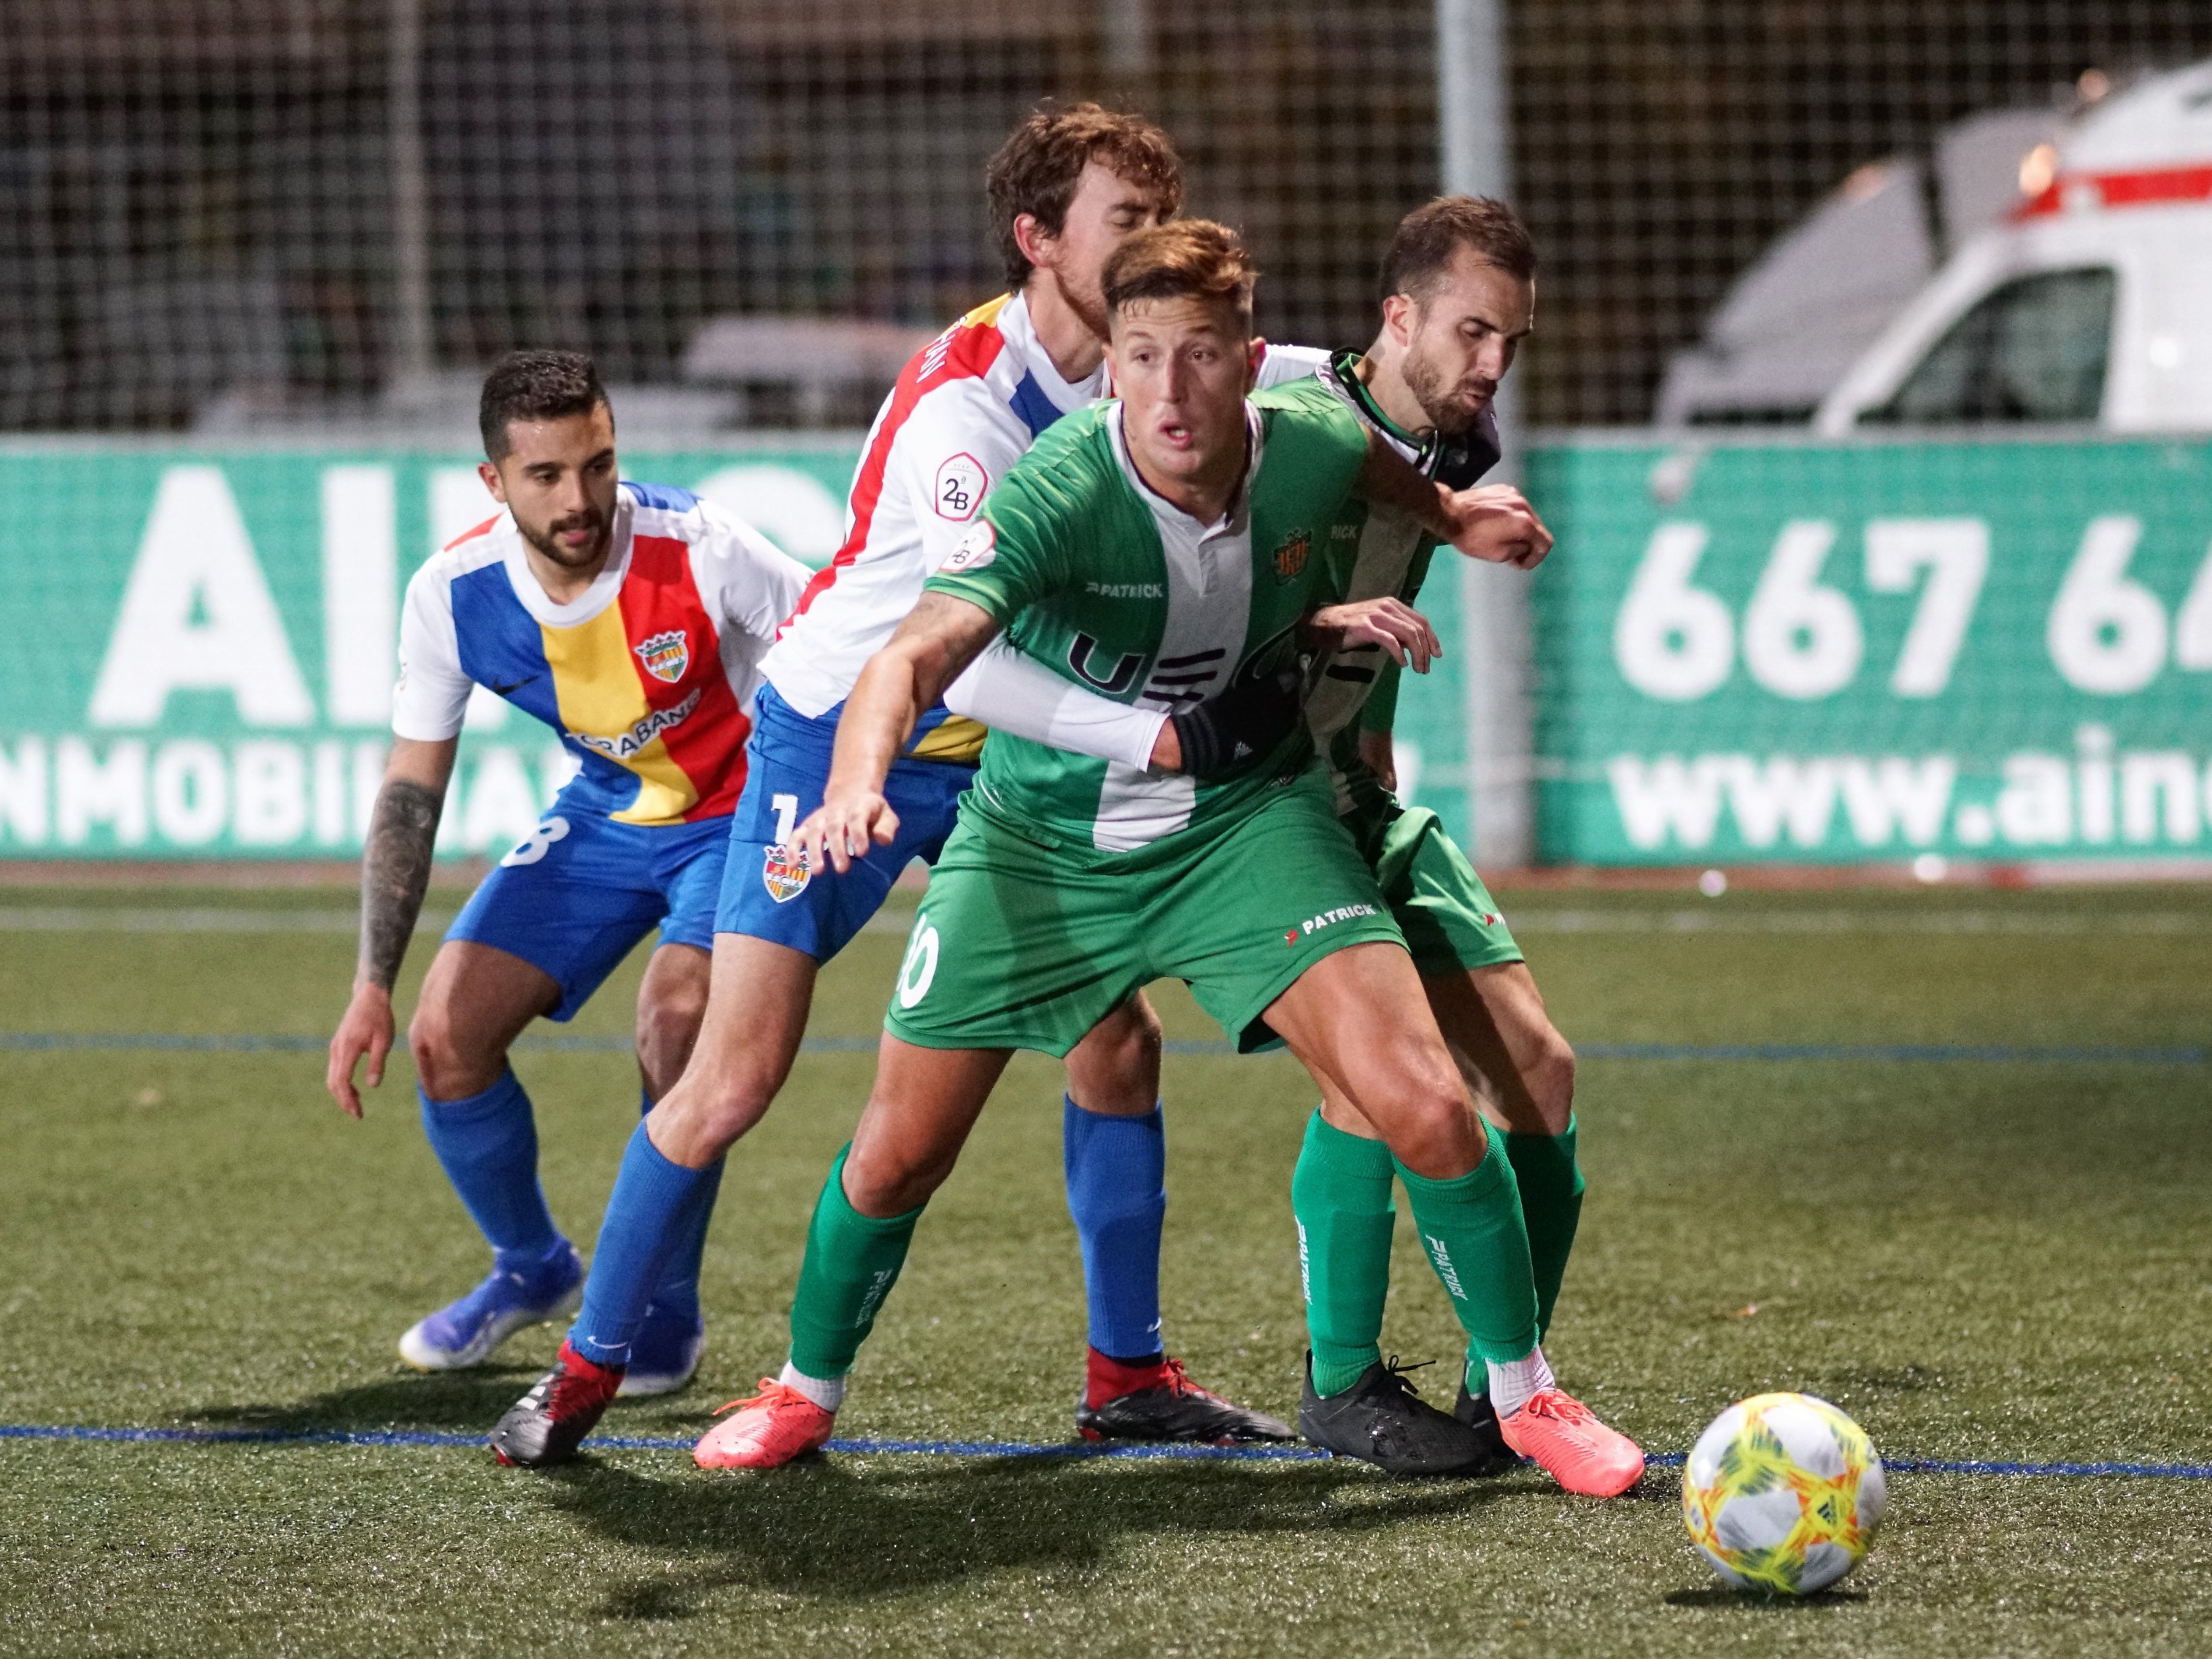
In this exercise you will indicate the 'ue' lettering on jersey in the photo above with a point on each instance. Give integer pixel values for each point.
(1103, 582)
(963, 412)
(648, 677)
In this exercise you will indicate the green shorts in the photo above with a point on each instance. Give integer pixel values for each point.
(1022, 946)
(1440, 904)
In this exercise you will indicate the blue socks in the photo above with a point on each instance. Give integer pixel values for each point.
(1117, 1193)
(657, 1208)
(488, 1144)
(677, 1292)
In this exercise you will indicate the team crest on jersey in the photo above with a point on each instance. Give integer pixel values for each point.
(1291, 557)
(783, 874)
(666, 656)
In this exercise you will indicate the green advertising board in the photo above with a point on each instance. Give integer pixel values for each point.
(1744, 651)
(199, 648)
(1997, 650)
(198, 660)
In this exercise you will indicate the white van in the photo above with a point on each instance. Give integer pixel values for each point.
(2090, 304)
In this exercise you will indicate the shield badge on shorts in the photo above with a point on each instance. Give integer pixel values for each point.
(666, 656)
(1291, 557)
(783, 875)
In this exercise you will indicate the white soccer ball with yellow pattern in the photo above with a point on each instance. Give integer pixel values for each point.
(1783, 1492)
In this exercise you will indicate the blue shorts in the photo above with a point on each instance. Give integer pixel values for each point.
(576, 897)
(765, 894)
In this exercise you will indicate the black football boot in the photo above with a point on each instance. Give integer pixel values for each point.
(1478, 1413)
(548, 1424)
(1176, 1408)
(1382, 1419)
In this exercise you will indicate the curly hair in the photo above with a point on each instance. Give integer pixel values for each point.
(1037, 169)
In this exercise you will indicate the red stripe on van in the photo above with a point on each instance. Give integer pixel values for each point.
(2148, 188)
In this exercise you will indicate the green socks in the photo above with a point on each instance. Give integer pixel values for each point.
(1472, 1230)
(1341, 1195)
(1550, 1206)
(852, 1263)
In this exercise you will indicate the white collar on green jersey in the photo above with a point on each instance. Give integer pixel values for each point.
(1240, 506)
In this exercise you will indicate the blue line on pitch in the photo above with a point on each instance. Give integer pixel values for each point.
(609, 1043)
(1073, 1449)
(1903, 1053)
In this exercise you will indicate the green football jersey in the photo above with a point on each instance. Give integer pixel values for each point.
(1375, 555)
(1108, 586)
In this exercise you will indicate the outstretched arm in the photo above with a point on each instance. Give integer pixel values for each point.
(395, 871)
(1491, 522)
(1010, 692)
(940, 636)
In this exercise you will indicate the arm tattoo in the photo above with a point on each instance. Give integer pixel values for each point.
(395, 871)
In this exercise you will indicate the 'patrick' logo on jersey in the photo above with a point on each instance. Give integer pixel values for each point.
(666, 656)
(783, 874)
(1291, 557)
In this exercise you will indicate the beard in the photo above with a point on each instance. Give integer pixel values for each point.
(568, 558)
(1453, 407)
(1089, 304)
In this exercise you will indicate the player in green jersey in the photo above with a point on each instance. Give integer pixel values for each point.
(1159, 547)
(1459, 296)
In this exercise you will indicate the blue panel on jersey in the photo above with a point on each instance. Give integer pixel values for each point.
(667, 497)
(1036, 410)
(501, 644)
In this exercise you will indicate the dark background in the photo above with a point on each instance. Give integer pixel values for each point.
(196, 201)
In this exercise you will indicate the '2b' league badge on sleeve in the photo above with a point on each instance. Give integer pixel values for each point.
(975, 550)
(961, 483)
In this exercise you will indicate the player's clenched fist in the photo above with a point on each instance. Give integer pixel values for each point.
(848, 822)
(1495, 523)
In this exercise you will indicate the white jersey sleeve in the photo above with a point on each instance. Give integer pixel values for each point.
(1284, 363)
(954, 448)
(432, 693)
(1010, 692)
(747, 583)
(749, 586)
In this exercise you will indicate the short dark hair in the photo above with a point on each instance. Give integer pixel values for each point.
(1036, 170)
(536, 385)
(1189, 259)
(1430, 238)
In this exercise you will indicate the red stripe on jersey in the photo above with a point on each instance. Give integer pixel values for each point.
(670, 632)
(964, 351)
(483, 529)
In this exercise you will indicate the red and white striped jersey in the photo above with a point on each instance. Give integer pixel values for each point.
(962, 413)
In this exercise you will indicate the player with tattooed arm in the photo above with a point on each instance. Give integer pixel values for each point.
(631, 618)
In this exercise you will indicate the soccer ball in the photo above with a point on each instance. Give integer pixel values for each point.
(1783, 1492)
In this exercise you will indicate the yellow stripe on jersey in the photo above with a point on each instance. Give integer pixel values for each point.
(602, 703)
(956, 738)
(986, 313)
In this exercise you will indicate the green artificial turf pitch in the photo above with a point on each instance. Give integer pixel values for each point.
(1981, 1257)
